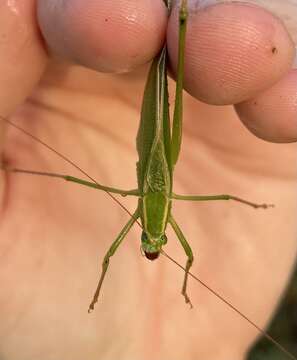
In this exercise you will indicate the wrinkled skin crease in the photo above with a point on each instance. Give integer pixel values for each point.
(54, 235)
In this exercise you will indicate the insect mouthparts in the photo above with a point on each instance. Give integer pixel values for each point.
(152, 256)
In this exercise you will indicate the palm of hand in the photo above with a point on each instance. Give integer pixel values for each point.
(54, 235)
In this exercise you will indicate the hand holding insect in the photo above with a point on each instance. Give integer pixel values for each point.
(74, 257)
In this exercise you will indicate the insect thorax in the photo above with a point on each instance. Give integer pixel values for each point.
(158, 175)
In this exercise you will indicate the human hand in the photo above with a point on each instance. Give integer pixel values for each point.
(54, 235)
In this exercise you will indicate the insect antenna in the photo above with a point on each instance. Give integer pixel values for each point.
(221, 298)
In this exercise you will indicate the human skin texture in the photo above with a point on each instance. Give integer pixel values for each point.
(72, 73)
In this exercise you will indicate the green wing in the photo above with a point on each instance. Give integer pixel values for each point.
(154, 119)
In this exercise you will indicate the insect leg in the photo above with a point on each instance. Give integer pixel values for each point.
(220, 197)
(110, 253)
(178, 107)
(189, 254)
(76, 180)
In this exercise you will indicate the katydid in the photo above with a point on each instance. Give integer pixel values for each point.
(158, 147)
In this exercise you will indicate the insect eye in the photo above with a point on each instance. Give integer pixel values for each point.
(164, 239)
(144, 237)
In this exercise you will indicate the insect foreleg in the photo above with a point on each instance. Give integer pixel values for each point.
(189, 254)
(110, 253)
(220, 197)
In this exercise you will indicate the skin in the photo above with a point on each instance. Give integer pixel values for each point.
(53, 236)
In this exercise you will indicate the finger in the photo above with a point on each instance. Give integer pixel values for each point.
(22, 55)
(109, 36)
(233, 51)
(272, 115)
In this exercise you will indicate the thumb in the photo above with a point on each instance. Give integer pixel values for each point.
(22, 56)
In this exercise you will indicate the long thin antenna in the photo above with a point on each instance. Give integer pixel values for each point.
(196, 278)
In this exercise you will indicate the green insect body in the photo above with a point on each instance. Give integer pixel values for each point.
(154, 170)
(158, 152)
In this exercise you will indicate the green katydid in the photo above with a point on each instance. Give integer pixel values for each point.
(158, 146)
